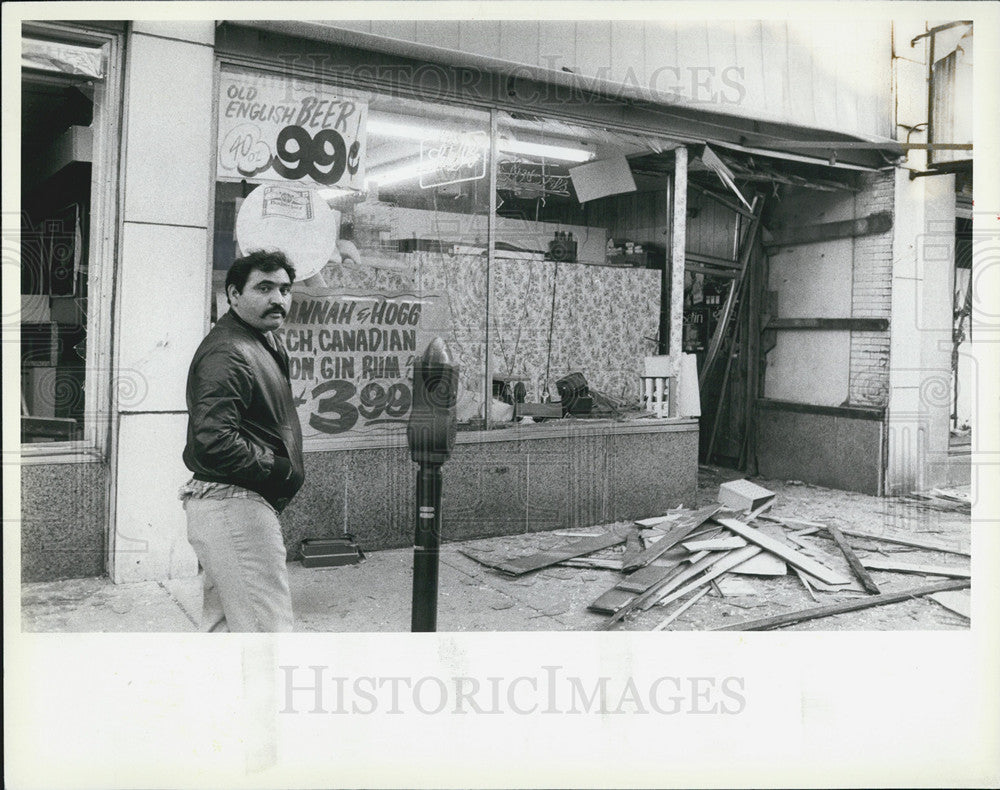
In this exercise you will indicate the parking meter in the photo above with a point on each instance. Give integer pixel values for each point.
(430, 434)
(431, 430)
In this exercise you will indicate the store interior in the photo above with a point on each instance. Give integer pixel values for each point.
(56, 153)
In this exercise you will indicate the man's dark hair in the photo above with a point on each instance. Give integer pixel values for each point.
(266, 261)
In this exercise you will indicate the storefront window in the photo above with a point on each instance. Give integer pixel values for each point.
(63, 102)
(578, 268)
(382, 205)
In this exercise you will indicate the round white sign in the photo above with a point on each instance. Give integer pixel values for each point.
(291, 218)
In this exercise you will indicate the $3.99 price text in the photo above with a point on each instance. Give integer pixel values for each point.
(339, 404)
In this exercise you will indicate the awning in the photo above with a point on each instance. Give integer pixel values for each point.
(628, 105)
(60, 58)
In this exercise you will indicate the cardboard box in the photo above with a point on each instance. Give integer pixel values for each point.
(740, 495)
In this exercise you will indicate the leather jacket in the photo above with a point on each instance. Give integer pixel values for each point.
(242, 425)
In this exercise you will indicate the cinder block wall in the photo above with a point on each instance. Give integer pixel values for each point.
(871, 297)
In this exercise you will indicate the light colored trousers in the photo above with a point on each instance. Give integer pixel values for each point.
(239, 546)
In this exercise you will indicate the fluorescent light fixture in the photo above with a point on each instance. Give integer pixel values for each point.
(408, 131)
(548, 151)
(331, 193)
(398, 174)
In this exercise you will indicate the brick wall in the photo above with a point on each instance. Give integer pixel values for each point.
(871, 297)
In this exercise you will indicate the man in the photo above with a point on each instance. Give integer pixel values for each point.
(244, 445)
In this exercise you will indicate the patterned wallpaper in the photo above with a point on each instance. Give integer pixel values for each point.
(600, 325)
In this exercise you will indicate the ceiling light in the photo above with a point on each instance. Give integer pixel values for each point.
(408, 131)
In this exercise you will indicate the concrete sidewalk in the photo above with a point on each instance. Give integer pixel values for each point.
(374, 596)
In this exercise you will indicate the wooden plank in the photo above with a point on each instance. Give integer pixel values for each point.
(732, 296)
(856, 324)
(591, 562)
(878, 564)
(724, 564)
(649, 523)
(796, 558)
(765, 564)
(852, 559)
(644, 578)
(905, 540)
(790, 618)
(520, 565)
(611, 601)
(879, 222)
(674, 535)
(718, 544)
(672, 583)
(681, 609)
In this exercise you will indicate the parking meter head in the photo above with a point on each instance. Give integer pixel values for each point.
(430, 432)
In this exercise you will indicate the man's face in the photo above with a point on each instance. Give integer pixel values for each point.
(265, 299)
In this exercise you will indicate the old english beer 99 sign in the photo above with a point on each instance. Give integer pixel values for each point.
(286, 129)
(351, 358)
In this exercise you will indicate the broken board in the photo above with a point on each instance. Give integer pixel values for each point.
(879, 564)
(517, 566)
(796, 558)
(715, 544)
(764, 564)
(674, 535)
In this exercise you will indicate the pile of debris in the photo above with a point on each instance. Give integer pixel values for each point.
(677, 558)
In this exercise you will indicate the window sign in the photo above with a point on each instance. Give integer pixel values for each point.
(351, 357)
(453, 157)
(278, 128)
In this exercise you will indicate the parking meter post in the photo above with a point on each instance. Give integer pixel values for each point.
(430, 434)
(426, 549)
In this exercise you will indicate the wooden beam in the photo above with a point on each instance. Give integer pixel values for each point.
(728, 274)
(790, 618)
(678, 242)
(796, 558)
(732, 297)
(849, 228)
(855, 412)
(852, 559)
(878, 564)
(855, 324)
(712, 260)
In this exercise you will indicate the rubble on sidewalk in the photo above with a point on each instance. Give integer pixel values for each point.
(681, 557)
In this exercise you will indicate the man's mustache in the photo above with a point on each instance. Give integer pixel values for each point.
(276, 311)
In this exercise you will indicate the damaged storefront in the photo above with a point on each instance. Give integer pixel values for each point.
(626, 286)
